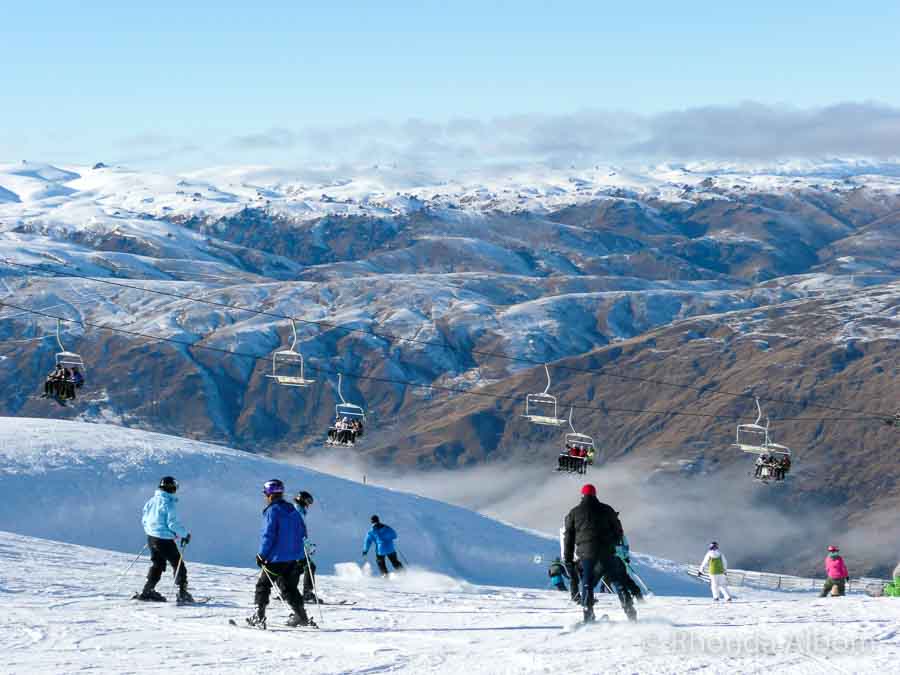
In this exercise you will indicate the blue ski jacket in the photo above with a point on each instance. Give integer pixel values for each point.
(283, 532)
(160, 518)
(383, 537)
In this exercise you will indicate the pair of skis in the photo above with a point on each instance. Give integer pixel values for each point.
(178, 603)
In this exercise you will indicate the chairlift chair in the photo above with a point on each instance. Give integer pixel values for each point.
(287, 365)
(573, 464)
(574, 438)
(65, 358)
(778, 449)
(538, 407)
(344, 409)
(769, 472)
(349, 411)
(753, 438)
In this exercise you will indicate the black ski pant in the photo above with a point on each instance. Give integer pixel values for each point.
(633, 588)
(286, 576)
(613, 570)
(308, 570)
(164, 551)
(575, 577)
(382, 565)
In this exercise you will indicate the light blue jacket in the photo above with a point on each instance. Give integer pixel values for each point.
(623, 550)
(160, 518)
(383, 537)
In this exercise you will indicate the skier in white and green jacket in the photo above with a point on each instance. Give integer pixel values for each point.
(714, 562)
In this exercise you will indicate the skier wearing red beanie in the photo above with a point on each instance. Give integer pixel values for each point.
(593, 530)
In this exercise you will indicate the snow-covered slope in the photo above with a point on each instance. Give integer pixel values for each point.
(85, 483)
(64, 608)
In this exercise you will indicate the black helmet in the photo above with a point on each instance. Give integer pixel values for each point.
(375, 520)
(304, 499)
(168, 484)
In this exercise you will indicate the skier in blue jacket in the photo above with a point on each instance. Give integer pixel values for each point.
(280, 556)
(382, 536)
(162, 527)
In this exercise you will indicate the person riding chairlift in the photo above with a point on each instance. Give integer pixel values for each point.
(782, 467)
(52, 385)
(565, 459)
(77, 378)
(764, 460)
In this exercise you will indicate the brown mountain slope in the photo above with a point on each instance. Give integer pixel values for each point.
(840, 353)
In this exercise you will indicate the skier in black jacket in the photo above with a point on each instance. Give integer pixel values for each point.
(593, 530)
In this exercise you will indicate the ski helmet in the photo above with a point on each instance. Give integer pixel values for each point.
(833, 549)
(589, 489)
(304, 499)
(375, 520)
(273, 487)
(168, 484)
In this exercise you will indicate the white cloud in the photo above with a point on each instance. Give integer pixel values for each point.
(744, 131)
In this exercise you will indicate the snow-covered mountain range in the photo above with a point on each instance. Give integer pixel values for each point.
(779, 281)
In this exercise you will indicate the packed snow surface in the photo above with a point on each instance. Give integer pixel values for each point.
(65, 608)
(471, 601)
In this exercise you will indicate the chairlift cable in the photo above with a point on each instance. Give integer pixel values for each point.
(357, 376)
(396, 338)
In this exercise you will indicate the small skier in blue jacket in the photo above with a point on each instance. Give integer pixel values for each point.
(162, 527)
(383, 537)
(302, 502)
(280, 554)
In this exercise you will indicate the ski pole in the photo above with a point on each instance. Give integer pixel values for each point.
(637, 578)
(180, 560)
(274, 585)
(403, 557)
(312, 576)
(138, 557)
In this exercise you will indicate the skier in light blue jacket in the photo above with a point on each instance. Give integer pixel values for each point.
(162, 528)
(383, 537)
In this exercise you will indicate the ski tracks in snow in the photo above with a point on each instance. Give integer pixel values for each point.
(56, 617)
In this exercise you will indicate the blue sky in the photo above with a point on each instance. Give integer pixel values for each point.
(205, 80)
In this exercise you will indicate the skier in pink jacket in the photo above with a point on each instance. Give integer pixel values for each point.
(835, 571)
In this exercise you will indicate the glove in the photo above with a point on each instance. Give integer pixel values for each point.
(186, 539)
(365, 553)
(260, 561)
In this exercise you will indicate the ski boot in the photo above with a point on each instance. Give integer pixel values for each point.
(184, 597)
(631, 613)
(149, 595)
(257, 620)
(589, 615)
(299, 621)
